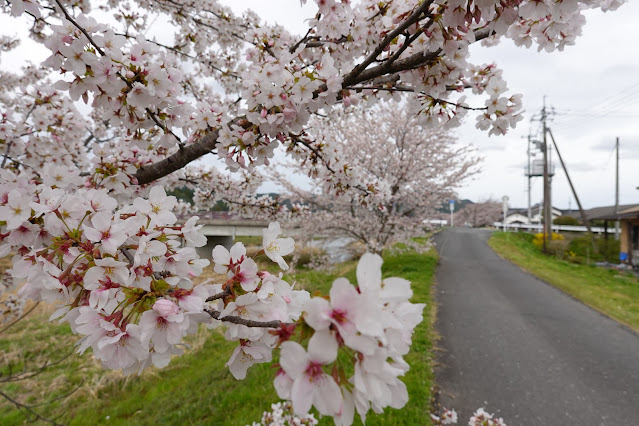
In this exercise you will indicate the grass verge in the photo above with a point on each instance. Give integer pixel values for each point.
(195, 388)
(609, 291)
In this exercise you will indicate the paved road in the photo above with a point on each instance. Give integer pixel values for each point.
(518, 347)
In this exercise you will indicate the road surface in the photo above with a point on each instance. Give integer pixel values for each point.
(523, 349)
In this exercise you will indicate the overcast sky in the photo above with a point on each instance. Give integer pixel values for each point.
(592, 86)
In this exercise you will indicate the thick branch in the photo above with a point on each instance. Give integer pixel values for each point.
(181, 158)
(413, 18)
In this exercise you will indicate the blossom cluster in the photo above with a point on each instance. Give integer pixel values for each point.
(479, 418)
(122, 278)
(370, 326)
(281, 414)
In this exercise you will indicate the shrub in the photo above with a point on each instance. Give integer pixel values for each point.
(566, 220)
(539, 238)
(608, 249)
(558, 248)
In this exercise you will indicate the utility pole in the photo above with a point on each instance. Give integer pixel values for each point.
(529, 179)
(451, 203)
(617, 193)
(547, 208)
(574, 193)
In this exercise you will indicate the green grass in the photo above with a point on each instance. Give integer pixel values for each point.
(249, 240)
(196, 388)
(611, 292)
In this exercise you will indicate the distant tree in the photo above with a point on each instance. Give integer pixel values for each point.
(414, 167)
(183, 193)
(484, 213)
(566, 220)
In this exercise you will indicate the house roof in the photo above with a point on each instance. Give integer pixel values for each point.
(608, 212)
(535, 209)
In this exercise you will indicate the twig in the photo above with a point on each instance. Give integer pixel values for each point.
(21, 406)
(21, 317)
(220, 295)
(28, 374)
(249, 323)
(156, 275)
(128, 83)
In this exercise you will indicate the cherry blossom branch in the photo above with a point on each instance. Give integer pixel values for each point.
(294, 47)
(152, 115)
(206, 144)
(242, 321)
(149, 173)
(177, 50)
(413, 18)
(129, 258)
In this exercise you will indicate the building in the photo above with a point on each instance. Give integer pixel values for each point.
(520, 215)
(628, 217)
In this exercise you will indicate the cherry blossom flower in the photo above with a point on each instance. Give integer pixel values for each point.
(311, 385)
(110, 236)
(164, 325)
(246, 354)
(275, 247)
(16, 209)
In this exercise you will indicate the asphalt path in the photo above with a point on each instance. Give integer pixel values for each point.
(520, 348)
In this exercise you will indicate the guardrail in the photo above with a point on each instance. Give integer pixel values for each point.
(555, 228)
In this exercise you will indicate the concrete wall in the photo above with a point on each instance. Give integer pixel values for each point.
(212, 241)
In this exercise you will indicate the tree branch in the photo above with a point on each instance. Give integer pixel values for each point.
(241, 321)
(413, 18)
(206, 144)
(27, 408)
(147, 174)
(220, 295)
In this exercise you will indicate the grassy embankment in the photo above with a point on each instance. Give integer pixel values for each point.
(195, 388)
(611, 292)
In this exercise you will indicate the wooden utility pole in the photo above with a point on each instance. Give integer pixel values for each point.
(547, 212)
(584, 219)
(617, 193)
(529, 173)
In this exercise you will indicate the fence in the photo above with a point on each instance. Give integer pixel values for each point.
(556, 228)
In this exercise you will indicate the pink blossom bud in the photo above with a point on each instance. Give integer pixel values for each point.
(130, 74)
(289, 114)
(263, 113)
(166, 308)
